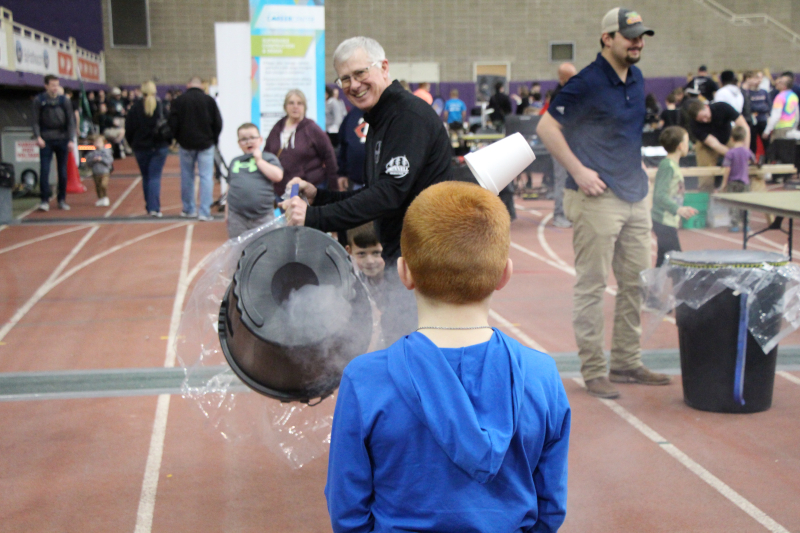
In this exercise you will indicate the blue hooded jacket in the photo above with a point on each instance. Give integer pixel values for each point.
(449, 439)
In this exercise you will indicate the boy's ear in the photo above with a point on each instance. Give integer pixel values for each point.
(405, 274)
(347, 249)
(507, 271)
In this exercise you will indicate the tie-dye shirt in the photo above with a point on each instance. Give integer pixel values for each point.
(787, 102)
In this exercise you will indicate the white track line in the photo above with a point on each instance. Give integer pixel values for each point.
(717, 484)
(177, 306)
(556, 257)
(791, 377)
(42, 238)
(560, 266)
(113, 249)
(528, 210)
(772, 245)
(56, 277)
(122, 197)
(45, 287)
(27, 212)
(494, 315)
(147, 498)
(20, 216)
(543, 240)
(569, 270)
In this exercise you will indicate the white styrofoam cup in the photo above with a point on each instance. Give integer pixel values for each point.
(496, 165)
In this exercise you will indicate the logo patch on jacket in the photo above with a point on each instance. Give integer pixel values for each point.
(397, 166)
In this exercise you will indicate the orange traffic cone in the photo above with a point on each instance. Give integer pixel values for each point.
(74, 185)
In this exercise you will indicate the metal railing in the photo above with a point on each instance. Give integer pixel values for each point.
(752, 19)
(70, 60)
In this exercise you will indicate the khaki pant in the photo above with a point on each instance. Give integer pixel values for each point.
(706, 157)
(609, 234)
(101, 185)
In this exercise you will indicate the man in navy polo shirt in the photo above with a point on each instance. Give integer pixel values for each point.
(594, 128)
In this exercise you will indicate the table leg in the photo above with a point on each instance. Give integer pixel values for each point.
(744, 230)
(791, 220)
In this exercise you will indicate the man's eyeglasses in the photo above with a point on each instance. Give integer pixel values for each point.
(358, 75)
(248, 139)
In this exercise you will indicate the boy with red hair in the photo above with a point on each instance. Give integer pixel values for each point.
(456, 427)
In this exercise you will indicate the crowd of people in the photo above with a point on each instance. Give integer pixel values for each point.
(380, 175)
(767, 104)
(136, 122)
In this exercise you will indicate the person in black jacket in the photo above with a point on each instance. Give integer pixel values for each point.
(407, 149)
(54, 128)
(501, 104)
(196, 123)
(352, 139)
(150, 147)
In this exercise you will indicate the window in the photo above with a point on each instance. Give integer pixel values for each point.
(130, 23)
(562, 51)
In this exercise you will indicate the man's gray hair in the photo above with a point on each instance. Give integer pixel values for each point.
(347, 48)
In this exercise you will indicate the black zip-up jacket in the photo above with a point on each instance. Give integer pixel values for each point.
(140, 129)
(195, 120)
(407, 150)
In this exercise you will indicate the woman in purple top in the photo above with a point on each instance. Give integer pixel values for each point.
(303, 149)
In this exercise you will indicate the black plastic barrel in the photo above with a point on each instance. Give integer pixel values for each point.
(711, 336)
(270, 349)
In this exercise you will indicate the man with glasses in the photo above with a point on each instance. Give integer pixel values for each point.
(407, 150)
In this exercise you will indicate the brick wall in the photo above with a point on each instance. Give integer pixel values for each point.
(456, 33)
(182, 42)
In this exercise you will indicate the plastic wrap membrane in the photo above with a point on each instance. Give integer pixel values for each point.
(770, 281)
(298, 431)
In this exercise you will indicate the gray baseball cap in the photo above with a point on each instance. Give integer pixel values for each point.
(625, 21)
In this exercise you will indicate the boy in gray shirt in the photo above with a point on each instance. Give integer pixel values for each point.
(251, 195)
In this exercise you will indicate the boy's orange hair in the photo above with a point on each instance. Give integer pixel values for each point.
(455, 241)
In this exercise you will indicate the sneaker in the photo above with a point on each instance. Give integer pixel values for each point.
(44, 206)
(184, 214)
(103, 202)
(203, 218)
(641, 375)
(63, 206)
(601, 388)
(155, 214)
(561, 222)
(734, 229)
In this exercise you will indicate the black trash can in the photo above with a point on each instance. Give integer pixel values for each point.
(723, 367)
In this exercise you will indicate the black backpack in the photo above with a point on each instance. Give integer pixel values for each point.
(161, 131)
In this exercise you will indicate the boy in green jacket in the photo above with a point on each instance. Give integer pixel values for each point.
(668, 191)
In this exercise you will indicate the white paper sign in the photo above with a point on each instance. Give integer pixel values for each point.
(35, 57)
(26, 152)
